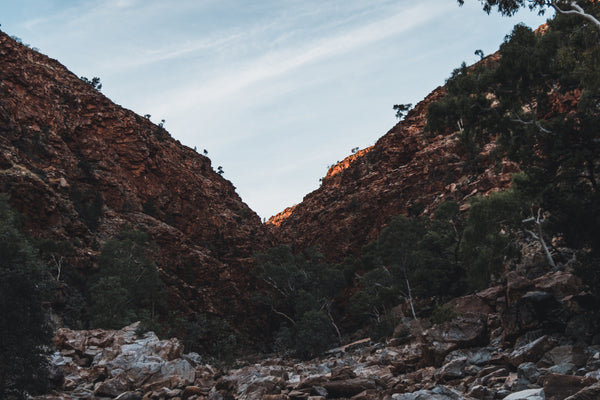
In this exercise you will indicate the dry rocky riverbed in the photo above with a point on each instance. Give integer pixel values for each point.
(527, 339)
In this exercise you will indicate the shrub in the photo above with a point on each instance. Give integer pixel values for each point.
(128, 287)
(443, 313)
(24, 328)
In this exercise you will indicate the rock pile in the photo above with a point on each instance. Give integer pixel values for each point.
(496, 348)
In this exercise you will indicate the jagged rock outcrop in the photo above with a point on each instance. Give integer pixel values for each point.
(80, 168)
(407, 171)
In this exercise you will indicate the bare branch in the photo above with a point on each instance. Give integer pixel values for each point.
(283, 315)
(577, 10)
(531, 122)
(540, 236)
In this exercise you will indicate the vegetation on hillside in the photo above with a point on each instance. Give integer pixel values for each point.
(539, 101)
(24, 327)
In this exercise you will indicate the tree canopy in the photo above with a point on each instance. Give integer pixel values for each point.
(24, 328)
(583, 8)
(540, 100)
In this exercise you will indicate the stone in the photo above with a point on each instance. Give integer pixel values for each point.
(534, 310)
(190, 391)
(528, 371)
(558, 387)
(568, 356)
(531, 352)
(589, 393)
(516, 286)
(560, 283)
(348, 387)
(471, 304)
(436, 393)
(461, 332)
(529, 394)
(130, 396)
(113, 387)
(454, 369)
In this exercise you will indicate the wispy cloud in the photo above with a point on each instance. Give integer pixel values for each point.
(227, 84)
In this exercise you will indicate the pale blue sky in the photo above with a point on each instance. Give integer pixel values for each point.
(275, 90)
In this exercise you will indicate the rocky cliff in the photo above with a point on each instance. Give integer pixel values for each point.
(80, 168)
(408, 171)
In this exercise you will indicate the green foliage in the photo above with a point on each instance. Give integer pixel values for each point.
(209, 335)
(24, 329)
(401, 110)
(303, 287)
(488, 237)
(128, 287)
(411, 257)
(540, 100)
(443, 313)
(510, 7)
(95, 82)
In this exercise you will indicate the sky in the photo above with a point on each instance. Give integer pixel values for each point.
(275, 90)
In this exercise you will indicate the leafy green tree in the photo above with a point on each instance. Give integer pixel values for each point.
(565, 7)
(411, 257)
(128, 287)
(540, 101)
(489, 237)
(24, 328)
(302, 289)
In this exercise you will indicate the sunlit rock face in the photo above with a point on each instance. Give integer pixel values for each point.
(80, 168)
(408, 171)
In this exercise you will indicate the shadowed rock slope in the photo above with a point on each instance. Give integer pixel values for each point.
(80, 168)
(407, 171)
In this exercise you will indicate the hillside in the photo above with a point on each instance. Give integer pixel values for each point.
(408, 171)
(81, 168)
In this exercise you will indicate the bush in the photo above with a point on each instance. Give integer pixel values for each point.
(128, 287)
(488, 239)
(443, 313)
(24, 328)
(302, 290)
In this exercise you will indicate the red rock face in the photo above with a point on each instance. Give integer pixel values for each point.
(406, 172)
(66, 150)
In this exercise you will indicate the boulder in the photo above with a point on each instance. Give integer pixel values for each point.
(516, 286)
(529, 394)
(531, 352)
(589, 393)
(114, 387)
(459, 333)
(573, 356)
(471, 304)
(475, 356)
(528, 371)
(534, 310)
(437, 393)
(454, 369)
(557, 386)
(348, 387)
(560, 283)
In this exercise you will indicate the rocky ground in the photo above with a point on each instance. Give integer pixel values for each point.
(525, 339)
